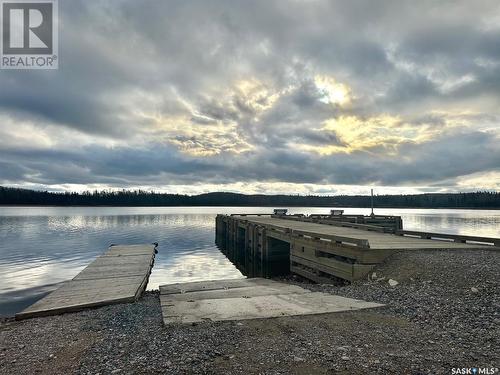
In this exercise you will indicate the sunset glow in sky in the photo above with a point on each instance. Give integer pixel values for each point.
(308, 97)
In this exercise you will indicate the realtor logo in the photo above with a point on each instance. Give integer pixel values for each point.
(29, 34)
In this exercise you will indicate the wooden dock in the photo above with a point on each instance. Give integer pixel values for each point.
(319, 248)
(119, 275)
(242, 299)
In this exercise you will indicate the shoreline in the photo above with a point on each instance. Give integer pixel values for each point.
(443, 314)
(264, 206)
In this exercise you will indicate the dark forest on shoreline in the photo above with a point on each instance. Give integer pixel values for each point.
(15, 196)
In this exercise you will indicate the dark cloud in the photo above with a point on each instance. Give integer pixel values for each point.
(224, 91)
(442, 159)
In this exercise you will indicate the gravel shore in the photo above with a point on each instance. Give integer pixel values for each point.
(444, 313)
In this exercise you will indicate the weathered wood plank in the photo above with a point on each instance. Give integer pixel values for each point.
(313, 265)
(370, 256)
(119, 275)
(310, 275)
(93, 272)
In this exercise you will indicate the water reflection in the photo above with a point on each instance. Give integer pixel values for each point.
(43, 246)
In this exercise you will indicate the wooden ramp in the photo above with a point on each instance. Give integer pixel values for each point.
(119, 275)
(247, 299)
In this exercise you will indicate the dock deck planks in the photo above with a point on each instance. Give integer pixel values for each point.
(120, 275)
(270, 245)
(376, 240)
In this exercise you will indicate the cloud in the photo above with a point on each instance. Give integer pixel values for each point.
(306, 96)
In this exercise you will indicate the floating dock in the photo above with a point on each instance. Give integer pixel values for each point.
(242, 299)
(320, 247)
(120, 275)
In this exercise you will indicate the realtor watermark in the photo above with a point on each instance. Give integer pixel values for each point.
(29, 34)
(474, 370)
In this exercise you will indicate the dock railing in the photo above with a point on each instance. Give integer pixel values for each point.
(450, 237)
(368, 227)
(329, 220)
(340, 240)
(358, 242)
(251, 215)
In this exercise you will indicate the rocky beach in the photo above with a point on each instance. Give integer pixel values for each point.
(442, 312)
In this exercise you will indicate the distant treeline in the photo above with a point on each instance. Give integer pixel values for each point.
(14, 196)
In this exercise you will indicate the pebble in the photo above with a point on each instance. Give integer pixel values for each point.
(393, 282)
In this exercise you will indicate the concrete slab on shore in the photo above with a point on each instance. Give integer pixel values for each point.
(247, 299)
(119, 275)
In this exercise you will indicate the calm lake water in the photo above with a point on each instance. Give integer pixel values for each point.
(43, 246)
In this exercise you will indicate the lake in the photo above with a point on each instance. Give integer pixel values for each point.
(43, 246)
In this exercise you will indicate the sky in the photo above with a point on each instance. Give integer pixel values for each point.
(300, 97)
